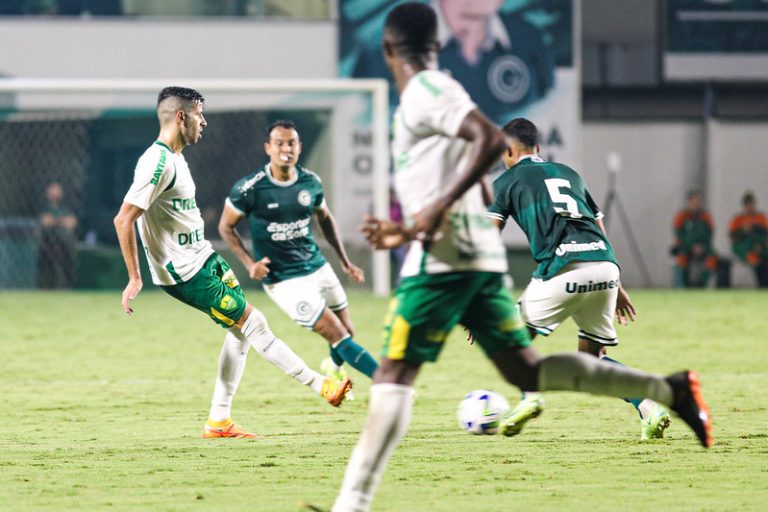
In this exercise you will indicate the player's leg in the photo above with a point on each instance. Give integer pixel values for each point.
(230, 369)
(523, 367)
(216, 291)
(305, 300)
(508, 347)
(654, 418)
(336, 324)
(495, 321)
(544, 305)
(421, 315)
(595, 318)
(342, 346)
(389, 414)
(254, 327)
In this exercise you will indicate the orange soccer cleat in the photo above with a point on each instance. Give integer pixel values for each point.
(335, 391)
(226, 428)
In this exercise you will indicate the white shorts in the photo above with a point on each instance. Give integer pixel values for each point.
(304, 298)
(585, 291)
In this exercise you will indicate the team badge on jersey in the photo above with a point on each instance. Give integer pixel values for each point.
(230, 279)
(302, 308)
(305, 198)
(227, 303)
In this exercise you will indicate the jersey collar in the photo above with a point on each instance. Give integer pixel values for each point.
(533, 158)
(288, 183)
(163, 144)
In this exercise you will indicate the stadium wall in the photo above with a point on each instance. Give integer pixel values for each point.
(661, 161)
(167, 48)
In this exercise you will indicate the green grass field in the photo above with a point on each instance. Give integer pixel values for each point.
(103, 412)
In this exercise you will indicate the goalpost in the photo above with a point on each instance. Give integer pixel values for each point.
(78, 131)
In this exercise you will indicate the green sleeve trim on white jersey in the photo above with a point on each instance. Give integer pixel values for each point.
(172, 183)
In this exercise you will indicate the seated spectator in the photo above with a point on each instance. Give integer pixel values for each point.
(749, 238)
(694, 256)
(56, 261)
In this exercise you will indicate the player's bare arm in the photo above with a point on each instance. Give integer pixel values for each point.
(488, 146)
(625, 310)
(126, 234)
(230, 217)
(331, 233)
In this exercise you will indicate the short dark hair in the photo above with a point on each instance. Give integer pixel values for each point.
(522, 130)
(414, 26)
(180, 92)
(281, 123)
(748, 198)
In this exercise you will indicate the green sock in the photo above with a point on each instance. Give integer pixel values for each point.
(336, 357)
(357, 357)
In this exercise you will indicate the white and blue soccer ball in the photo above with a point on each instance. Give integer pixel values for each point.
(481, 411)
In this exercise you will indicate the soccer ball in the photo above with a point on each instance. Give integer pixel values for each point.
(481, 410)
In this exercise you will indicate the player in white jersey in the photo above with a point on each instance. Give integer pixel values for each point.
(442, 148)
(183, 263)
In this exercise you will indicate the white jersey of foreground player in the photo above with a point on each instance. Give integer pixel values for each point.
(427, 153)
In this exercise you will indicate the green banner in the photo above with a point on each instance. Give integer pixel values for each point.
(718, 40)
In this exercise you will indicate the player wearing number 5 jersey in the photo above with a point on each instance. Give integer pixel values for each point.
(577, 274)
(453, 274)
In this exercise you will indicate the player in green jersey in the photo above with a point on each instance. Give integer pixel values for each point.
(279, 201)
(161, 201)
(443, 146)
(577, 274)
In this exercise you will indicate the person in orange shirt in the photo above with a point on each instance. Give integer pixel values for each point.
(749, 238)
(694, 256)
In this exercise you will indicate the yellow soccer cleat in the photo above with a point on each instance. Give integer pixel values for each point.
(329, 369)
(226, 428)
(335, 391)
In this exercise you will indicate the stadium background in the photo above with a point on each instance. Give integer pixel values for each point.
(103, 411)
(676, 128)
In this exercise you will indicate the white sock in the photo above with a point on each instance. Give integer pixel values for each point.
(274, 350)
(231, 366)
(583, 372)
(389, 414)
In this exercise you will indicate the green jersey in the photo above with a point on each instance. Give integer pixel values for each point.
(552, 205)
(279, 215)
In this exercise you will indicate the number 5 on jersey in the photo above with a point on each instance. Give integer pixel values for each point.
(571, 208)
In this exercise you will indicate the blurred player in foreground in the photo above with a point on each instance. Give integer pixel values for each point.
(279, 201)
(183, 263)
(453, 273)
(578, 273)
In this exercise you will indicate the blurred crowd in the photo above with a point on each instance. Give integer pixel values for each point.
(696, 261)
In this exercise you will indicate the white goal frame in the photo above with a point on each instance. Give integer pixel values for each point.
(378, 88)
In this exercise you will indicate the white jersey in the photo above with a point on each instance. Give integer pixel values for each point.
(171, 228)
(428, 154)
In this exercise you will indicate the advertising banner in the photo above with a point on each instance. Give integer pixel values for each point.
(515, 58)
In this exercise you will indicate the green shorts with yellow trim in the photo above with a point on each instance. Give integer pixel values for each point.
(425, 308)
(214, 290)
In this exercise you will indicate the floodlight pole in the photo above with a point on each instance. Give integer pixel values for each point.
(613, 161)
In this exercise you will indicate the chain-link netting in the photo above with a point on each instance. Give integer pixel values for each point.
(63, 176)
